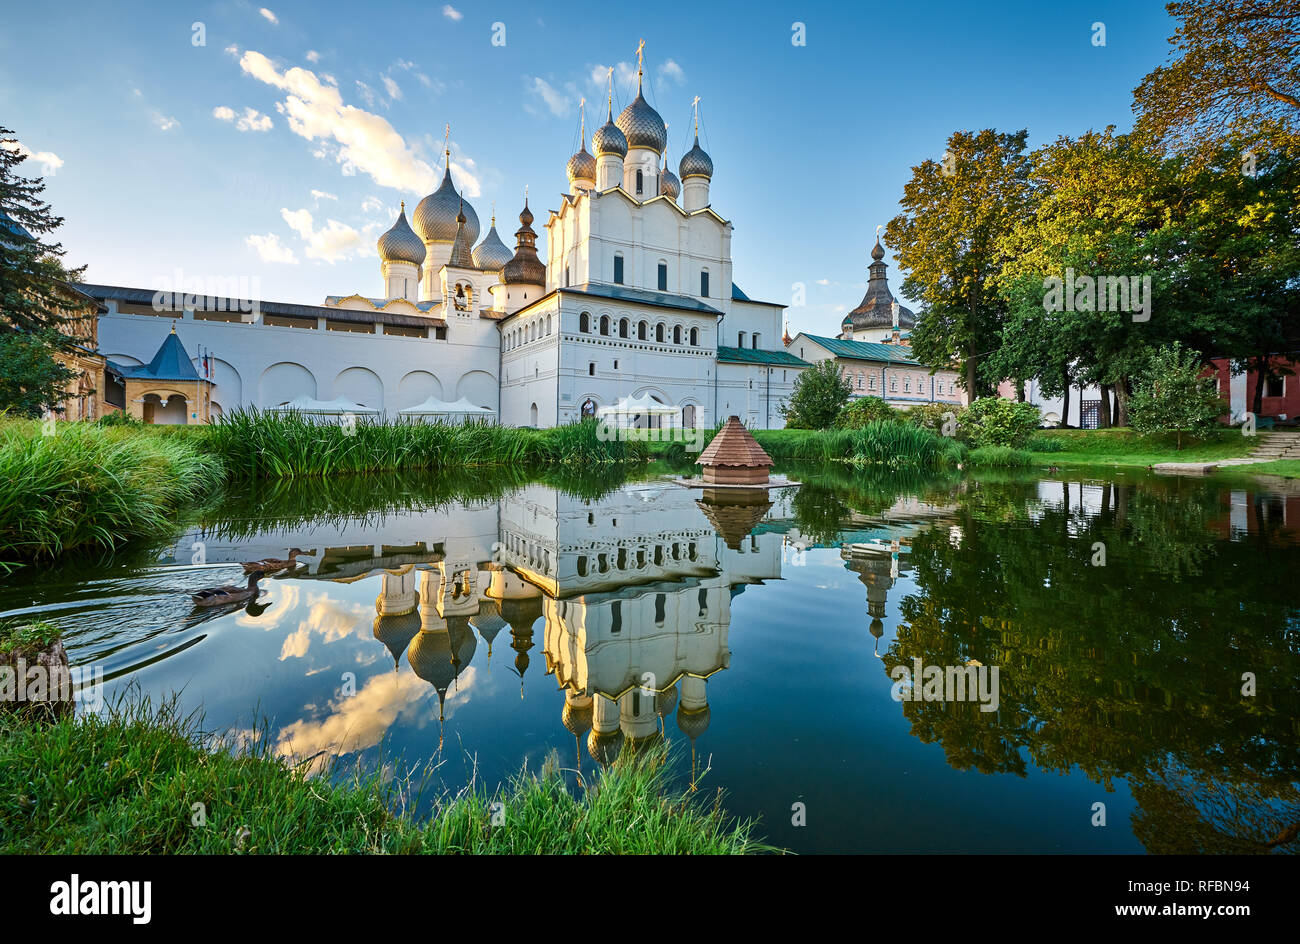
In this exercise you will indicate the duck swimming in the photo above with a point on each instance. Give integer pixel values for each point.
(215, 596)
(270, 565)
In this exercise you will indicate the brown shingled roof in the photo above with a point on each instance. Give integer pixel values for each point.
(734, 446)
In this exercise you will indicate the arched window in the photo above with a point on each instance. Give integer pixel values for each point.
(584, 322)
(604, 325)
(754, 340)
(640, 181)
(695, 337)
(740, 339)
(704, 285)
(548, 329)
(659, 332)
(641, 331)
(677, 334)
(622, 328)
(663, 276)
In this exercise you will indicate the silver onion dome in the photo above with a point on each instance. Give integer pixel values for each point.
(435, 216)
(669, 185)
(641, 124)
(608, 139)
(400, 244)
(696, 162)
(491, 254)
(582, 166)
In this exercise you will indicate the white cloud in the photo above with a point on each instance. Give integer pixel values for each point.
(233, 50)
(392, 88)
(322, 195)
(372, 205)
(823, 281)
(251, 120)
(557, 102)
(270, 249)
(360, 141)
(332, 243)
(164, 122)
(671, 71)
(452, 13)
(624, 76)
(49, 161)
(313, 56)
(269, 16)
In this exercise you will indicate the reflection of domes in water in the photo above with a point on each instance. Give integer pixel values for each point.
(877, 628)
(640, 745)
(488, 621)
(397, 631)
(734, 513)
(521, 612)
(605, 747)
(693, 723)
(429, 655)
(463, 642)
(577, 715)
(665, 702)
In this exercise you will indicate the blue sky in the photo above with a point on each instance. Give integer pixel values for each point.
(220, 161)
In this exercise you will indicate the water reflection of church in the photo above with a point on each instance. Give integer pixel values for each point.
(625, 601)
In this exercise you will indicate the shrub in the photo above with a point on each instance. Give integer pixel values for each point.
(858, 413)
(930, 416)
(1171, 396)
(992, 421)
(820, 392)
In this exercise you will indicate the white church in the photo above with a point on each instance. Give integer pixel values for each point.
(632, 302)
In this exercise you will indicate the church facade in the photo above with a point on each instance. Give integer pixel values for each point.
(631, 299)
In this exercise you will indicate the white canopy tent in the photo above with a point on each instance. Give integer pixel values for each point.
(310, 406)
(641, 412)
(434, 408)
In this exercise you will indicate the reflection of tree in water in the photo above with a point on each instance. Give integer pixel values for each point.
(1129, 670)
(830, 494)
(1183, 813)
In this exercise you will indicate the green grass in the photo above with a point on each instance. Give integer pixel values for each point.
(1123, 447)
(1286, 468)
(87, 487)
(127, 783)
(883, 444)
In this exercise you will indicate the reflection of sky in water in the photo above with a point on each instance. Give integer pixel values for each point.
(768, 655)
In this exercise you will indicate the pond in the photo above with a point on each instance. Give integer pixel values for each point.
(1129, 641)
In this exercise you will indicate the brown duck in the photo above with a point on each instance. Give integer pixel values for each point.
(215, 596)
(270, 565)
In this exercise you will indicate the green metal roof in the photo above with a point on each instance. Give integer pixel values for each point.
(866, 350)
(745, 355)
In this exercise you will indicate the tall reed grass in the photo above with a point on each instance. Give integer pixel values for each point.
(88, 487)
(888, 445)
(253, 444)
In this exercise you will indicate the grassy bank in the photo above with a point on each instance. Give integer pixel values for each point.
(128, 784)
(87, 487)
(884, 445)
(1125, 448)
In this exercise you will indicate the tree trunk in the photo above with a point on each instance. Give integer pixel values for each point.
(1103, 414)
(1065, 400)
(1121, 402)
(1257, 401)
(970, 378)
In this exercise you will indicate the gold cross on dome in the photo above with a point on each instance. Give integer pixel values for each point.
(640, 55)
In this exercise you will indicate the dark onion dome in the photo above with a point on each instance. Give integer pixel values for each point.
(524, 268)
(582, 166)
(491, 254)
(608, 139)
(693, 723)
(696, 162)
(577, 717)
(665, 702)
(876, 308)
(400, 244)
(604, 747)
(435, 215)
(668, 184)
(641, 124)
(461, 254)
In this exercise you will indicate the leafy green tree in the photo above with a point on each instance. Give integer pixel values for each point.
(1173, 395)
(36, 302)
(1235, 67)
(819, 394)
(949, 238)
